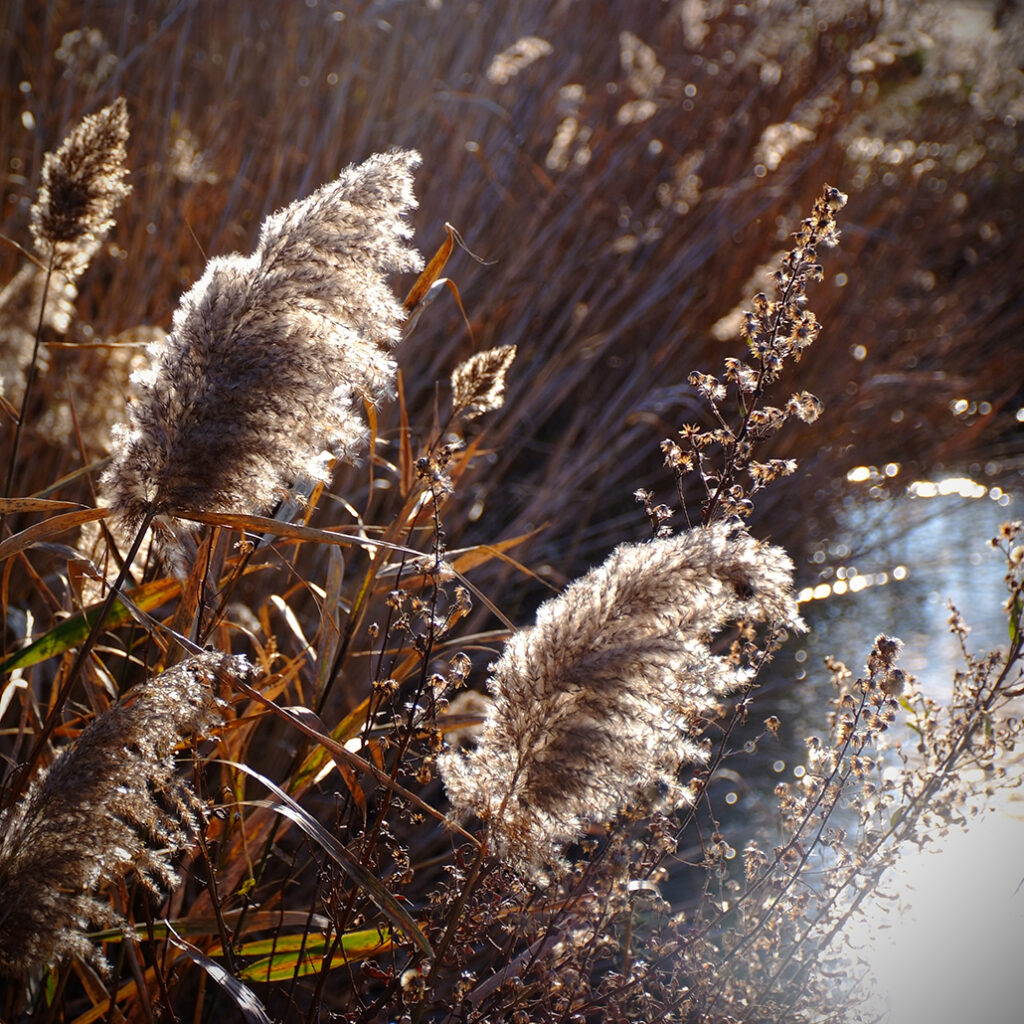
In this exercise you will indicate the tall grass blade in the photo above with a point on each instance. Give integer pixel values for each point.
(49, 528)
(297, 956)
(249, 1006)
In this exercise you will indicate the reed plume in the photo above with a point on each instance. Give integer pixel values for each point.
(83, 183)
(478, 384)
(606, 694)
(109, 802)
(258, 383)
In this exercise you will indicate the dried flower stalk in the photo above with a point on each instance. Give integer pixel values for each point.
(83, 183)
(109, 802)
(776, 330)
(259, 381)
(607, 692)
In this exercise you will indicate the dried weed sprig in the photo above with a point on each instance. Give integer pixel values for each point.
(861, 802)
(608, 692)
(109, 802)
(772, 955)
(776, 330)
(260, 380)
(83, 183)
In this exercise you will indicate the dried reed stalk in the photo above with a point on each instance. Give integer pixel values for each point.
(83, 182)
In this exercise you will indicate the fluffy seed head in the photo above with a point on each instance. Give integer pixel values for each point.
(271, 355)
(478, 384)
(83, 183)
(606, 693)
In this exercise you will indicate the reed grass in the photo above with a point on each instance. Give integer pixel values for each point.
(251, 612)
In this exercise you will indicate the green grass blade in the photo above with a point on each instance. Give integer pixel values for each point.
(74, 631)
(295, 956)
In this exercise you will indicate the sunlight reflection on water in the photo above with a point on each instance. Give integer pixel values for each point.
(891, 568)
(914, 556)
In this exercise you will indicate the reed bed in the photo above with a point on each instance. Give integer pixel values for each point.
(279, 739)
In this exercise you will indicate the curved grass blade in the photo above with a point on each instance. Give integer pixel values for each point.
(431, 272)
(49, 528)
(373, 887)
(74, 631)
(249, 1006)
(10, 506)
(264, 524)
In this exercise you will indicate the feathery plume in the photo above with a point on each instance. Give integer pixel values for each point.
(259, 381)
(87, 59)
(83, 183)
(606, 693)
(110, 801)
(478, 384)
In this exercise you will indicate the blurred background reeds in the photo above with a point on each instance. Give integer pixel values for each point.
(626, 174)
